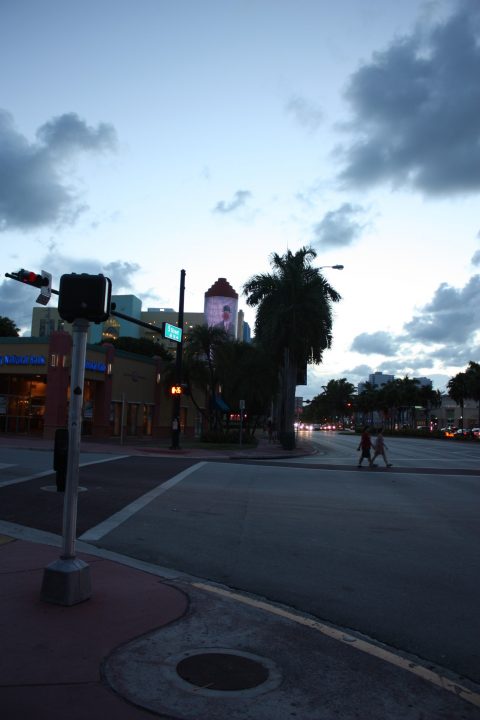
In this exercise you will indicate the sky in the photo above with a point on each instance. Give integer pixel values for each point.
(142, 137)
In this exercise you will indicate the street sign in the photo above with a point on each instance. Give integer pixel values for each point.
(171, 332)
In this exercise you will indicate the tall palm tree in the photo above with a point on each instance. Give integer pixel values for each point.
(293, 320)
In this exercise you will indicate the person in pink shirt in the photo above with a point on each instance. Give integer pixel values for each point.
(380, 448)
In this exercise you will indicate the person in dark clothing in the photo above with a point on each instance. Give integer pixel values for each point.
(365, 446)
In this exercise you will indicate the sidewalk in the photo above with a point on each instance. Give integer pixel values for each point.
(161, 447)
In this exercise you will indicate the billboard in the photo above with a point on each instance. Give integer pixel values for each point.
(221, 311)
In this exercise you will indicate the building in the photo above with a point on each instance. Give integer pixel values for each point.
(377, 380)
(125, 394)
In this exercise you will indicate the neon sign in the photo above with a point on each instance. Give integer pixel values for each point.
(22, 360)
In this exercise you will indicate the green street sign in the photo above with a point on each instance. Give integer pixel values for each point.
(171, 332)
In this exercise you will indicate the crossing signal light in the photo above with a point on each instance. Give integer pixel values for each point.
(176, 390)
(84, 296)
(41, 280)
(31, 278)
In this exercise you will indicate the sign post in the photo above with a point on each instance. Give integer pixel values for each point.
(66, 581)
(242, 410)
(83, 299)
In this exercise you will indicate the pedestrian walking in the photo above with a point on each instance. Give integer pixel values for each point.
(365, 446)
(380, 448)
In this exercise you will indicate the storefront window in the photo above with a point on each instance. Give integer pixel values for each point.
(22, 403)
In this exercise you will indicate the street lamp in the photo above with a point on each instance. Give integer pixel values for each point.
(334, 267)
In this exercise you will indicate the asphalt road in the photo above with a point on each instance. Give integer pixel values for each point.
(394, 554)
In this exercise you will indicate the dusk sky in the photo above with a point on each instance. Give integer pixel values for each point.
(141, 138)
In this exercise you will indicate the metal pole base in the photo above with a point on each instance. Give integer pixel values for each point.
(66, 581)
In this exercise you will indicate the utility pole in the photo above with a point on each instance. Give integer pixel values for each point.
(178, 369)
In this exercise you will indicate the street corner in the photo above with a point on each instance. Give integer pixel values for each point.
(240, 657)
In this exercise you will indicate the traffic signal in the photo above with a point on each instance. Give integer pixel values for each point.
(41, 280)
(84, 297)
(180, 389)
(31, 278)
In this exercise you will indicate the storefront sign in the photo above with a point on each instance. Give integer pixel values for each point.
(95, 366)
(22, 360)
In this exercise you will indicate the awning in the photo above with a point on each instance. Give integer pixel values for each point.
(220, 404)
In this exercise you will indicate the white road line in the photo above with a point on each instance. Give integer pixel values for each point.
(359, 644)
(105, 527)
(17, 481)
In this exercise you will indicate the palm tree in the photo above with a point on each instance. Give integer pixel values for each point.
(458, 391)
(473, 383)
(293, 321)
(200, 350)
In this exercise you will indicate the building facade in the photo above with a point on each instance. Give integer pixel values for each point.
(124, 394)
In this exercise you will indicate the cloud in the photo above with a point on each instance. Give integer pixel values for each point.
(416, 108)
(339, 227)
(239, 199)
(453, 315)
(476, 258)
(305, 112)
(381, 343)
(33, 192)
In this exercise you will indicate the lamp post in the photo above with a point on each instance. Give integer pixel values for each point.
(334, 267)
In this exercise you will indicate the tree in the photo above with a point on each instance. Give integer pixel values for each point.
(141, 346)
(366, 402)
(237, 363)
(293, 322)
(200, 365)
(458, 390)
(8, 327)
(339, 395)
(472, 374)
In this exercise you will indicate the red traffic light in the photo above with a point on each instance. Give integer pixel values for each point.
(31, 278)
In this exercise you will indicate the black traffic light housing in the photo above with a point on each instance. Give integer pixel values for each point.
(85, 297)
(41, 280)
(30, 278)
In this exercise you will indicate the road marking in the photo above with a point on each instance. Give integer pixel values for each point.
(105, 527)
(45, 473)
(358, 643)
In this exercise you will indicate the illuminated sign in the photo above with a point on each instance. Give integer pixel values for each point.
(95, 366)
(22, 360)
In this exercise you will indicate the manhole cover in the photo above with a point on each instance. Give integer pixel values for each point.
(222, 671)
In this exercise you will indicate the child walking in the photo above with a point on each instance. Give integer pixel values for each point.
(380, 448)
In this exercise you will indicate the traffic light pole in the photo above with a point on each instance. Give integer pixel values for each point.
(66, 581)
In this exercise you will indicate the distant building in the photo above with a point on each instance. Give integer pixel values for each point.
(377, 380)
